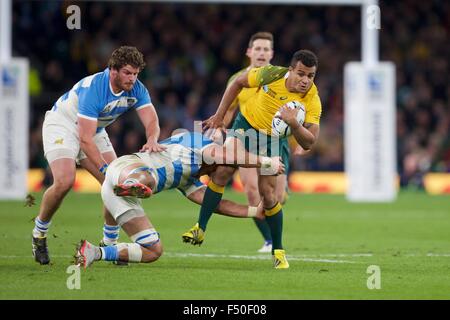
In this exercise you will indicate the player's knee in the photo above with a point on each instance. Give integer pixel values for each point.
(63, 183)
(269, 202)
(150, 244)
(269, 198)
(281, 196)
(152, 254)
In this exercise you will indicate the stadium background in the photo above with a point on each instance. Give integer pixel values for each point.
(192, 49)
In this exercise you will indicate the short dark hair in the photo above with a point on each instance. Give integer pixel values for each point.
(126, 55)
(308, 58)
(261, 35)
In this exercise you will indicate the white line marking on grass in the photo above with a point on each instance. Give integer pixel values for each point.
(211, 255)
(438, 255)
(258, 257)
(302, 257)
(338, 255)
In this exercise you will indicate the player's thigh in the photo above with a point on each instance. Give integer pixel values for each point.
(63, 171)
(60, 141)
(249, 177)
(136, 225)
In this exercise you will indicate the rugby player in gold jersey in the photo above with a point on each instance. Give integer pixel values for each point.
(275, 86)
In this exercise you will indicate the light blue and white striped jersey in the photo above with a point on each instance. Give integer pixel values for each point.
(92, 98)
(178, 165)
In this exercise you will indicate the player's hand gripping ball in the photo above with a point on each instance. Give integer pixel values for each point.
(281, 128)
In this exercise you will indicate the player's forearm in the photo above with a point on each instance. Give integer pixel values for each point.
(229, 116)
(230, 154)
(232, 209)
(229, 96)
(303, 136)
(226, 207)
(150, 121)
(152, 130)
(93, 154)
(240, 157)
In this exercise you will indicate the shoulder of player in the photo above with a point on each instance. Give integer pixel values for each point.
(270, 73)
(93, 81)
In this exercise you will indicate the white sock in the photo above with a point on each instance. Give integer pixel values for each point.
(110, 234)
(40, 228)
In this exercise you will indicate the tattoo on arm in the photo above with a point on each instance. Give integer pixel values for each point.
(307, 125)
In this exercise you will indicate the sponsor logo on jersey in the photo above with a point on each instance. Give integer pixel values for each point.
(269, 91)
(131, 102)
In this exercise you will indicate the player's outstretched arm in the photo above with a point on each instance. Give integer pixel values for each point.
(229, 116)
(228, 207)
(231, 93)
(234, 153)
(149, 119)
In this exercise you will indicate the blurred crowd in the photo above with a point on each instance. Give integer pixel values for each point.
(192, 49)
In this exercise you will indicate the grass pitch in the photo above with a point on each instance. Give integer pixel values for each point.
(330, 245)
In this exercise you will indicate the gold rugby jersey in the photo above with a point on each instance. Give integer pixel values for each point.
(271, 94)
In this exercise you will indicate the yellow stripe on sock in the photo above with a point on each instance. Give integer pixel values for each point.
(216, 188)
(274, 210)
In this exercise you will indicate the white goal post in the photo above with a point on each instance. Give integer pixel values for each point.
(14, 108)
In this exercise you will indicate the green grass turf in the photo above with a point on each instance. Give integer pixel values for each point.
(409, 240)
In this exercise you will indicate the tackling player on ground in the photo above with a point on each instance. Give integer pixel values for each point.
(140, 175)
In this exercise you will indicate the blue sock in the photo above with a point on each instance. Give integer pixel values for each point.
(110, 253)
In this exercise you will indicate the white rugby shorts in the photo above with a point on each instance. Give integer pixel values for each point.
(61, 140)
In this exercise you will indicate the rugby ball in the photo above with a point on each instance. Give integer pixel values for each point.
(281, 128)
